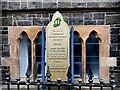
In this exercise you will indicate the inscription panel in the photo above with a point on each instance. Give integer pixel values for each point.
(57, 47)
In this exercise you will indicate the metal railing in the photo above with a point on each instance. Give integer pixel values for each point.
(48, 84)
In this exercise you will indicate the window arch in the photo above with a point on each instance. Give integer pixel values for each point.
(77, 55)
(38, 53)
(24, 54)
(92, 54)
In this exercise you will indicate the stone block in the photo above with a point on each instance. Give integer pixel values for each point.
(0, 31)
(107, 4)
(34, 5)
(50, 5)
(79, 5)
(114, 38)
(6, 47)
(118, 58)
(117, 25)
(5, 32)
(64, 0)
(0, 47)
(89, 22)
(4, 5)
(118, 63)
(0, 5)
(0, 56)
(7, 21)
(114, 31)
(32, 15)
(113, 53)
(5, 50)
(4, 38)
(23, 5)
(118, 38)
(5, 54)
(64, 4)
(14, 5)
(0, 27)
(79, 15)
(92, 4)
(112, 61)
(113, 47)
(14, 0)
(117, 4)
(100, 23)
(20, 16)
(76, 21)
(4, 28)
(0, 38)
(118, 46)
(88, 16)
(37, 21)
(118, 53)
(99, 15)
(34, 0)
(115, 19)
(117, 78)
(24, 23)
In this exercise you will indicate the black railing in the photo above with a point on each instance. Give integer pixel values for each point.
(59, 85)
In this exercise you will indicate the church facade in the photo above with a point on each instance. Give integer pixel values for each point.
(89, 39)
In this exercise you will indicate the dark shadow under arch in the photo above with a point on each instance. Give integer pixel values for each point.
(77, 55)
(38, 53)
(92, 54)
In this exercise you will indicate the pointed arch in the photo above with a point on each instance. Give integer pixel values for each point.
(92, 54)
(24, 54)
(77, 54)
(38, 53)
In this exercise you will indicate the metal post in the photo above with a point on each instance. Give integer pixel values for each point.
(79, 87)
(72, 53)
(28, 86)
(101, 88)
(48, 87)
(101, 84)
(8, 78)
(8, 86)
(59, 81)
(38, 83)
(90, 87)
(18, 81)
(48, 76)
(38, 87)
(69, 87)
(79, 82)
(43, 53)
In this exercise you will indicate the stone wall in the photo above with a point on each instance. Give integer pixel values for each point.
(79, 18)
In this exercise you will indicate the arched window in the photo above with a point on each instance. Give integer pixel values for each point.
(38, 53)
(24, 54)
(77, 55)
(92, 55)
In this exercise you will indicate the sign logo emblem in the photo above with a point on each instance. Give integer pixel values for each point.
(57, 22)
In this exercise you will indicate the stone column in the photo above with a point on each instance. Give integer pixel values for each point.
(33, 62)
(84, 61)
